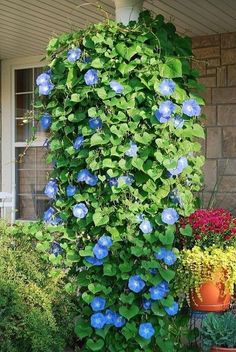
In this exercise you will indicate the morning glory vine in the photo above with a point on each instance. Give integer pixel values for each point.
(123, 118)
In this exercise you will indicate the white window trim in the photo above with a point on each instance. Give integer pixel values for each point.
(8, 67)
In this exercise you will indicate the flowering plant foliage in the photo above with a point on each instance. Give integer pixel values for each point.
(197, 266)
(207, 227)
(123, 140)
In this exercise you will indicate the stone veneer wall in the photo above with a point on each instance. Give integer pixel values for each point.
(217, 66)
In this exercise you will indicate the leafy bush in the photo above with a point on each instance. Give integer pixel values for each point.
(219, 331)
(36, 315)
(123, 111)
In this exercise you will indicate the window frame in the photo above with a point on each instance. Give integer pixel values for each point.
(8, 143)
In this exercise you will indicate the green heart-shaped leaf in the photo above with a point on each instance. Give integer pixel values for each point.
(95, 345)
(130, 312)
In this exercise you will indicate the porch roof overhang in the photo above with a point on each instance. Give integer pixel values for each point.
(27, 25)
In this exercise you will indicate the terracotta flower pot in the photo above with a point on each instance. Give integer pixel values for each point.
(223, 349)
(213, 297)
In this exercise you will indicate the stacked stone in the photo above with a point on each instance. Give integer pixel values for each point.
(216, 62)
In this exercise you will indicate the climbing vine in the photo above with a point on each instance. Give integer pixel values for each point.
(122, 107)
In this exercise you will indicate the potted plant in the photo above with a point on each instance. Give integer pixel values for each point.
(207, 265)
(218, 332)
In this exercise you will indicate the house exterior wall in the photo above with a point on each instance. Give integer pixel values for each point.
(217, 66)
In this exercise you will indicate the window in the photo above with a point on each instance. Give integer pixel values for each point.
(31, 170)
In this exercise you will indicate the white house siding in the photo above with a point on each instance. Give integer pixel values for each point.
(26, 25)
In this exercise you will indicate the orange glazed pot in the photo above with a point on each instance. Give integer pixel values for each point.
(213, 298)
(223, 349)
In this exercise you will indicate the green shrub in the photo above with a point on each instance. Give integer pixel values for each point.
(35, 313)
(219, 330)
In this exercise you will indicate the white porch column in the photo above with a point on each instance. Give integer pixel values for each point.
(128, 10)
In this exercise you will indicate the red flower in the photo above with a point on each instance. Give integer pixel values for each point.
(228, 237)
(208, 223)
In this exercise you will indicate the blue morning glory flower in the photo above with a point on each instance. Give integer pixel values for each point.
(167, 87)
(119, 321)
(164, 286)
(146, 226)
(80, 210)
(46, 88)
(160, 254)
(113, 181)
(85, 175)
(167, 256)
(45, 121)
(78, 142)
(172, 310)
(95, 123)
(161, 118)
(82, 175)
(117, 87)
(146, 330)
(100, 252)
(71, 190)
(55, 220)
(44, 83)
(170, 258)
(181, 164)
(73, 55)
(158, 292)
(191, 108)
(136, 283)
(178, 122)
(98, 321)
(51, 189)
(175, 171)
(98, 304)
(110, 317)
(128, 180)
(105, 241)
(166, 108)
(147, 303)
(169, 216)
(55, 249)
(48, 214)
(91, 180)
(43, 78)
(133, 149)
(94, 261)
(91, 77)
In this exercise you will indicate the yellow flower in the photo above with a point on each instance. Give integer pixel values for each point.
(196, 266)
